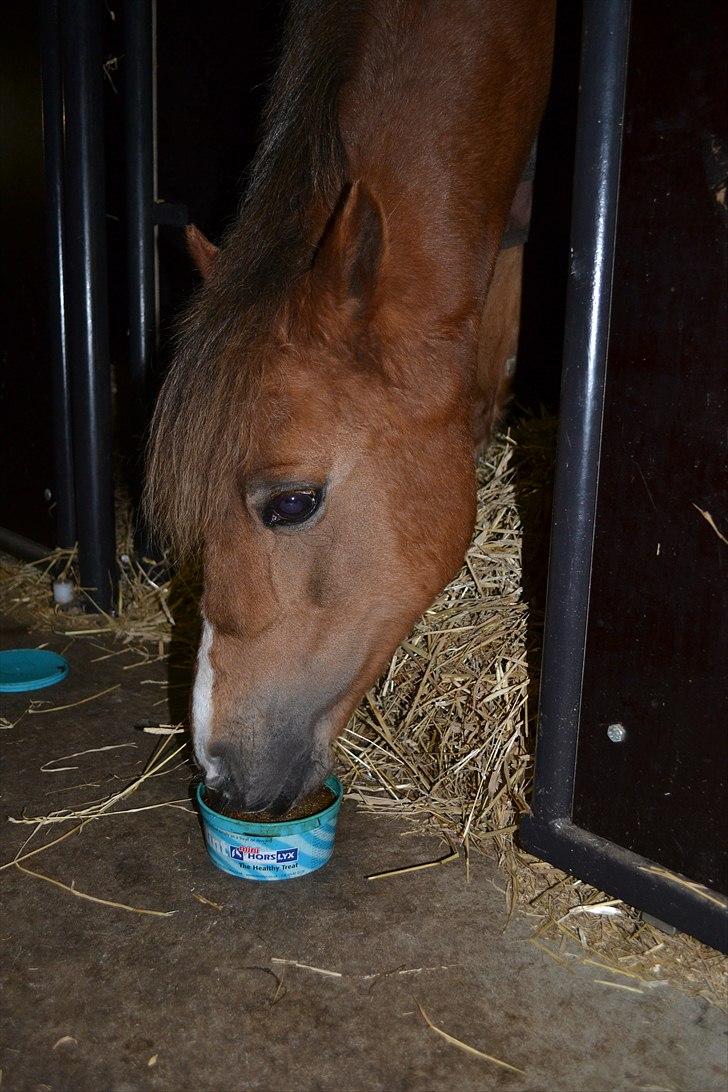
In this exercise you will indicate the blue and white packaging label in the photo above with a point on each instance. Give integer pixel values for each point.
(270, 858)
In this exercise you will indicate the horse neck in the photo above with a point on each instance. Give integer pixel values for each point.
(439, 117)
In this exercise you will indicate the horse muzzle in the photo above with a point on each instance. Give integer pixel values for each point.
(272, 779)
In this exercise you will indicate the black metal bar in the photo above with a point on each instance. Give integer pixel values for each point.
(141, 234)
(596, 180)
(65, 506)
(84, 242)
(694, 909)
(140, 186)
(20, 546)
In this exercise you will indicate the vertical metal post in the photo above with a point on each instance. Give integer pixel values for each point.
(605, 40)
(140, 187)
(141, 230)
(65, 510)
(86, 295)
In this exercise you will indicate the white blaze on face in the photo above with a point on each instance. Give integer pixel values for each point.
(202, 703)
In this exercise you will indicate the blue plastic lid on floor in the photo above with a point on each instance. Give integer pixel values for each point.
(30, 669)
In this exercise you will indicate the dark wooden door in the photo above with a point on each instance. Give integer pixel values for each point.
(656, 781)
(632, 757)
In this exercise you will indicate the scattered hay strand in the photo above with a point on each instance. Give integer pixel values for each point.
(40, 849)
(207, 902)
(709, 520)
(414, 868)
(691, 885)
(65, 1040)
(94, 809)
(618, 986)
(72, 705)
(163, 729)
(50, 765)
(466, 1046)
(179, 804)
(306, 967)
(93, 898)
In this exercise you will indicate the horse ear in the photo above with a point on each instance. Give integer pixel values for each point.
(201, 250)
(352, 249)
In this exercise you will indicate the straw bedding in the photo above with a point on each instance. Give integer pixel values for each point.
(445, 739)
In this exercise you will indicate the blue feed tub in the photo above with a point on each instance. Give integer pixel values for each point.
(271, 851)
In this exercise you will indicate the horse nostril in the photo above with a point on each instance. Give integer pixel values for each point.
(238, 790)
(273, 784)
(225, 773)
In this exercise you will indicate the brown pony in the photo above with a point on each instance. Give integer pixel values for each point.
(315, 435)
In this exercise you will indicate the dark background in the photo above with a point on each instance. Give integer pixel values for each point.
(25, 378)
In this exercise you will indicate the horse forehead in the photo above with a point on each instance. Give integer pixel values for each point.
(303, 419)
(313, 393)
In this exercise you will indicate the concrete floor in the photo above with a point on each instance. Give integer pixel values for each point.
(97, 998)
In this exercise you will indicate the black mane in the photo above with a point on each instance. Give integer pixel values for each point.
(301, 156)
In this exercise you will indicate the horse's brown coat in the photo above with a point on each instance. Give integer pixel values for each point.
(334, 344)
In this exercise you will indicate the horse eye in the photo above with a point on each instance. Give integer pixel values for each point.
(294, 506)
